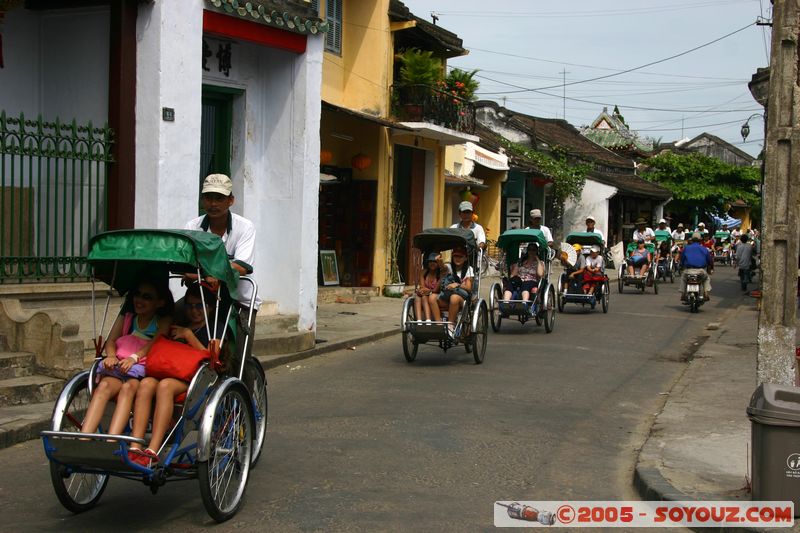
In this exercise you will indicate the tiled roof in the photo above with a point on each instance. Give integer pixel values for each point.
(613, 169)
(493, 141)
(291, 15)
(614, 140)
(632, 184)
(449, 43)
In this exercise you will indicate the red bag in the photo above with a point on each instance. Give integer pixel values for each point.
(173, 359)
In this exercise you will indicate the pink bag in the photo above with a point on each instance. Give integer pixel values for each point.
(128, 345)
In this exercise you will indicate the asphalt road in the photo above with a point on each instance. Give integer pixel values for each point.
(363, 441)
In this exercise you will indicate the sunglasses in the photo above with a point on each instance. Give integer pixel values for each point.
(196, 307)
(146, 296)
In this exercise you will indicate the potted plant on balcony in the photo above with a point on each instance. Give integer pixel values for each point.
(395, 229)
(419, 72)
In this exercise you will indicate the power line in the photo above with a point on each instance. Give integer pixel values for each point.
(640, 66)
(608, 104)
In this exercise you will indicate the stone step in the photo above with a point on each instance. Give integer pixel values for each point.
(267, 325)
(16, 364)
(279, 343)
(29, 389)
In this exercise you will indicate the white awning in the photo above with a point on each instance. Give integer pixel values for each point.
(444, 135)
(486, 158)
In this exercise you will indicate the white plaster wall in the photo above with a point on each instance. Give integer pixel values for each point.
(56, 64)
(275, 145)
(593, 201)
(169, 43)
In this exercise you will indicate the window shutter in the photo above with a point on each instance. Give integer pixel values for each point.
(333, 13)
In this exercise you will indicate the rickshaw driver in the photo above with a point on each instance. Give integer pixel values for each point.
(697, 259)
(536, 223)
(662, 225)
(237, 232)
(465, 212)
(590, 228)
(642, 232)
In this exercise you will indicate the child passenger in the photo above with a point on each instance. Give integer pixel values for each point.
(456, 287)
(428, 291)
(146, 313)
(165, 390)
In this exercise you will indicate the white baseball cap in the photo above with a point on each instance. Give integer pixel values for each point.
(536, 213)
(465, 206)
(590, 217)
(662, 221)
(218, 183)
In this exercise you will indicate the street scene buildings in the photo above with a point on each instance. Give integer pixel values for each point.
(346, 128)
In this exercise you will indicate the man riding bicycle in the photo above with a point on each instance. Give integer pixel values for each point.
(697, 259)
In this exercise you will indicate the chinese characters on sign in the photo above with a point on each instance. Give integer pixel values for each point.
(223, 56)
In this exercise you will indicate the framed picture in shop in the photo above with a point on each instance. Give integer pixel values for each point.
(328, 267)
(513, 222)
(513, 207)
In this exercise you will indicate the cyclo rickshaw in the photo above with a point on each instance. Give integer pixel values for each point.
(542, 305)
(723, 253)
(220, 422)
(665, 266)
(636, 280)
(472, 323)
(570, 290)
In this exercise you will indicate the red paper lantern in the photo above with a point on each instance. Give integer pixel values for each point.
(361, 161)
(325, 157)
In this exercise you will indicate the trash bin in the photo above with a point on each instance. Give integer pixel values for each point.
(774, 413)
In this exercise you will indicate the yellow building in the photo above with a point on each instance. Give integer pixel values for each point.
(383, 142)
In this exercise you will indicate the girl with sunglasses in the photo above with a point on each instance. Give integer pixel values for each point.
(195, 334)
(456, 287)
(147, 312)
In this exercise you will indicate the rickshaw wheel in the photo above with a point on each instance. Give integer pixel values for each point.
(549, 309)
(480, 334)
(410, 346)
(77, 492)
(605, 297)
(655, 286)
(256, 383)
(495, 296)
(621, 278)
(223, 477)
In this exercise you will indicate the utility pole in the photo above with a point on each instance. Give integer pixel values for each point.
(779, 244)
(564, 91)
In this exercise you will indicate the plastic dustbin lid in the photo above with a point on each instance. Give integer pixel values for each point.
(776, 402)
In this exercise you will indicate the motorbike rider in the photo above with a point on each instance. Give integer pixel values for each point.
(697, 259)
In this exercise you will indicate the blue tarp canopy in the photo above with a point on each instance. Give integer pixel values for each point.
(726, 219)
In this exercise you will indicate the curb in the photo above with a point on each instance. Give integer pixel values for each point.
(651, 485)
(273, 361)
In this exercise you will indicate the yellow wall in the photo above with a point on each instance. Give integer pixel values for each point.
(359, 79)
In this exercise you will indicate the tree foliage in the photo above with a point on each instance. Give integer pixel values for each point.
(703, 181)
(568, 177)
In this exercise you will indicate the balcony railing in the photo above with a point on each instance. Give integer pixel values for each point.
(425, 103)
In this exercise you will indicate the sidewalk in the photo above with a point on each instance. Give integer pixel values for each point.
(699, 445)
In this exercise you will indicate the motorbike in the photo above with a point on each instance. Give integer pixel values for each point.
(694, 297)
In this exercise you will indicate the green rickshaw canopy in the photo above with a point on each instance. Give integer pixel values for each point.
(511, 240)
(584, 238)
(662, 235)
(722, 235)
(123, 255)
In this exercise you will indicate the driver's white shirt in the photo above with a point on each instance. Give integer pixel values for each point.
(679, 235)
(477, 230)
(548, 236)
(647, 235)
(239, 240)
(597, 231)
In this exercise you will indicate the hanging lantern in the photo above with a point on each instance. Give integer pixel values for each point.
(361, 162)
(325, 157)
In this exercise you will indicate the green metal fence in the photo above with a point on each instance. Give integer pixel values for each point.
(53, 190)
